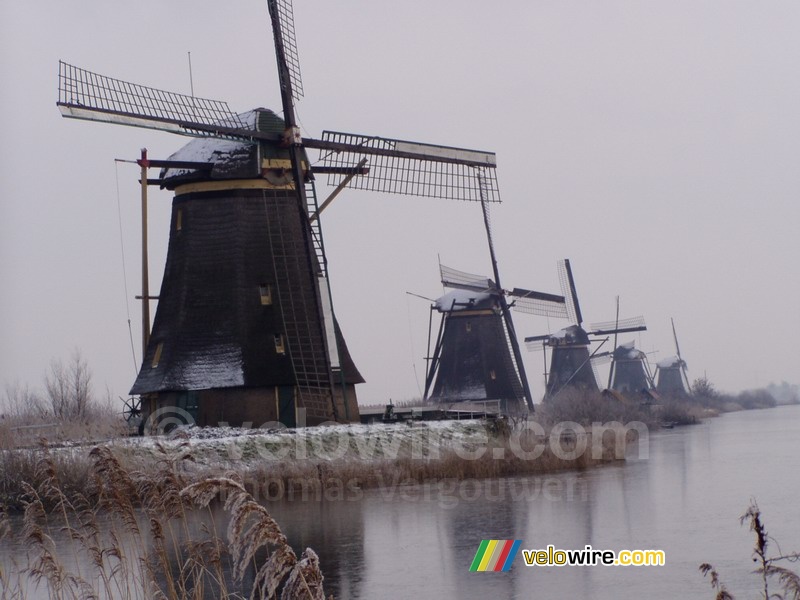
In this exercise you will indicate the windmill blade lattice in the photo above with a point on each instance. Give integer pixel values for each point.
(534, 345)
(533, 339)
(453, 278)
(602, 358)
(630, 325)
(411, 168)
(537, 303)
(282, 15)
(568, 289)
(86, 95)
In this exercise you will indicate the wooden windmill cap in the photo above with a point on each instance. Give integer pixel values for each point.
(229, 159)
(573, 335)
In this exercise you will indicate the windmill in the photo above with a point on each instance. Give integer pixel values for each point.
(671, 372)
(476, 355)
(571, 359)
(630, 374)
(245, 329)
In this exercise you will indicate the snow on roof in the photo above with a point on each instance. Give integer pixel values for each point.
(671, 362)
(628, 351)
(212, 149)
(204, 150)
(464, 299)
(223, 368)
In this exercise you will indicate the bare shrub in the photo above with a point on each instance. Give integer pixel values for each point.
(680, 411)
(69, 387)
(587, 407)
(21, 403)
(67, 411)
(702, 390)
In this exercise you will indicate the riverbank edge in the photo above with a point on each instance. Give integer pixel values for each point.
(270, 469)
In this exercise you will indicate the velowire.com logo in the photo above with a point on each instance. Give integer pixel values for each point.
(498, 556)
(495, 555)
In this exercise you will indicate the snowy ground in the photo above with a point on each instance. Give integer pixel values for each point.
(232, 445)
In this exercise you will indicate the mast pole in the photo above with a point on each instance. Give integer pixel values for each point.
(144, 163)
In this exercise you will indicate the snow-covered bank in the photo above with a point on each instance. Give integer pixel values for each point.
(336, 456)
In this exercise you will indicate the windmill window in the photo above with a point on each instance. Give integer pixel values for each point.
(265, 292)
(157, 355)
(469, 326)
(280, 348)
(179, 219)
(492, 375)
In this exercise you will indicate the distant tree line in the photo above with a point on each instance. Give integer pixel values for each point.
(785, 393)
(705, 393)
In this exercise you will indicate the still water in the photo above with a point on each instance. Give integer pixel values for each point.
(685, 498)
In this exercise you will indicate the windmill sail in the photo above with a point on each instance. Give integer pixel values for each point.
(569, 291)
(524, 301)
(282, 14)
(538, 303)
(86, 95)
(621, 326)
(411, 168)
(395, 166)
(453, 278)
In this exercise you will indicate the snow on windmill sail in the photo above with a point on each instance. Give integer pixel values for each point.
(245, 328)
(571, 357)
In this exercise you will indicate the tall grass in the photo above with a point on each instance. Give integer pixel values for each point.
(501, 456)
(131, 536)
(326, 457)
(587, 407)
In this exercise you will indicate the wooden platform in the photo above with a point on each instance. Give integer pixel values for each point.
(430, 412)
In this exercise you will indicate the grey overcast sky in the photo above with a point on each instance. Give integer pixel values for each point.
(654, 143)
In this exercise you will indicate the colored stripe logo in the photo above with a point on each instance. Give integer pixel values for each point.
(495, 555)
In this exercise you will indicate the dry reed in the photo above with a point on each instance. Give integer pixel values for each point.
(767, 567)
(130, 536)
(131, 518)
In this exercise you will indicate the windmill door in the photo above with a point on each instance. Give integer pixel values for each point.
(190, 403)
(286, 411)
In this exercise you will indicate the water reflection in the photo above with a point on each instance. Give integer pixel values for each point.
(685, 498)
